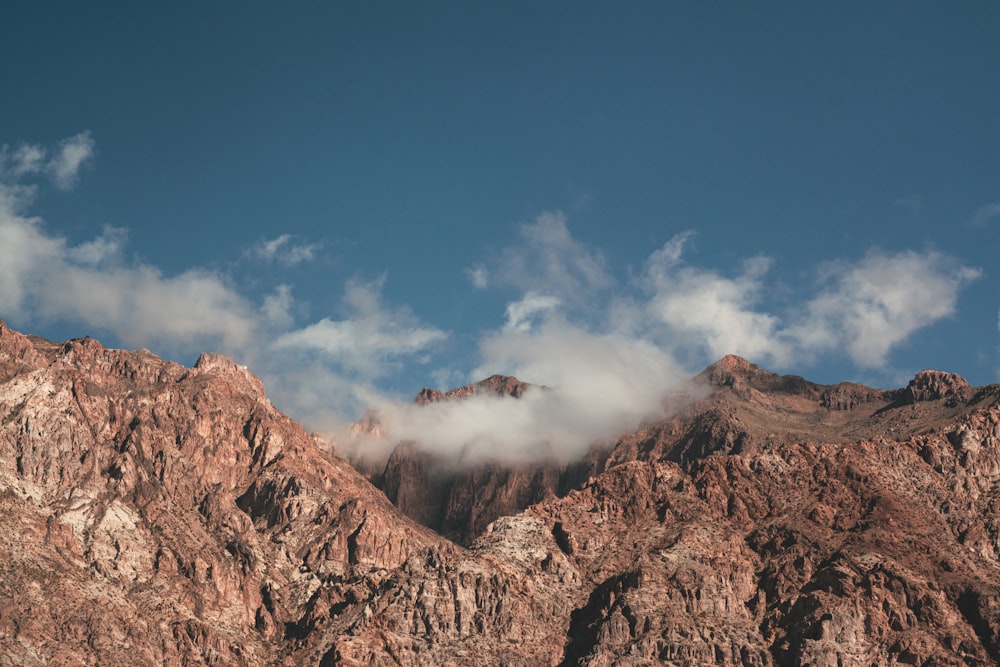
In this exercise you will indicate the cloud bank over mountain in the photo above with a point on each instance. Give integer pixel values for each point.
(608, 349)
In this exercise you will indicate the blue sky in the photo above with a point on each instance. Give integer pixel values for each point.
(360, 199)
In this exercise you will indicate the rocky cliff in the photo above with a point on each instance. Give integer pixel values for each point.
(155, 514)
(459, 502)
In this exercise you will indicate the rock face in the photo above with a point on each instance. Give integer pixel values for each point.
(459, 503)
(500, 385)
(154, 514)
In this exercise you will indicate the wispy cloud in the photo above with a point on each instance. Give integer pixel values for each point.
(869, 307)
(45, 278)
(62, 168)
(369, 340)
(911, 203)
(283, 250)
(42, 277)
(703, 310)
(65, 164)
(597, 386)
(479, 276)
(521, 313)
(606, 374)
(608, 352)
(549, 261)
(985, 214)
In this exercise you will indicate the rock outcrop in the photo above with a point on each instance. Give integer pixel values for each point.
(459, 502)
(155, 514)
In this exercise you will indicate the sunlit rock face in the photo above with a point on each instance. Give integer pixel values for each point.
(156, 514)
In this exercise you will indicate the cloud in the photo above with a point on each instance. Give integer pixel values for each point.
(608, 353)
(105, 248)
(550, 261)
(863, 309)
(521, 313)
(43, 277)
(62, 168)
(597, 386)
(706, 311)
(869, 307)
(65, 165)
(985, 214)
(369, 340)
(479, 276)
(281, 249)
(277, 308)
(608, 369)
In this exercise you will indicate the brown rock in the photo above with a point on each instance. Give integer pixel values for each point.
(154, 514)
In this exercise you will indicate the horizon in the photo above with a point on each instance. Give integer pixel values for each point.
(360, 201)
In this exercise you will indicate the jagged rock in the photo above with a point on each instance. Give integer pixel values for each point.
(937, 386)
(500, 385)
(459, 502)
(154, 514)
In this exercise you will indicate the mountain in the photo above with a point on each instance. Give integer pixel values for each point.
(156, 514)
(459, 502)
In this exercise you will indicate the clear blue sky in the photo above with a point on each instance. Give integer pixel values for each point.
(393, 195)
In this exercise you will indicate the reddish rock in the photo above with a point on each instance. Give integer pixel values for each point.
(154, 514)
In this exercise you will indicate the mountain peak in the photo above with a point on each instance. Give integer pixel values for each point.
(931, 385)
(500, 385)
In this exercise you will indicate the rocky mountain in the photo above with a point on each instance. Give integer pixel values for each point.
(459, 502)
(155, 514)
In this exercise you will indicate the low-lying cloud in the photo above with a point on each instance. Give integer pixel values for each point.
(607, 350)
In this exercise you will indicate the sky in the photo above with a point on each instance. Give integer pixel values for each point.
(359, 199)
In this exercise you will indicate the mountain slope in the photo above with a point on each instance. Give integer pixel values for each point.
(154, 514)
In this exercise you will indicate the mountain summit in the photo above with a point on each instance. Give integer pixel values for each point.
(156, 514)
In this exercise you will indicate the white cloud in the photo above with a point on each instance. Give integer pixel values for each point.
(281, 249)
(27, 159)
(706, 311)
(43, 277)
(608, 354)
(62, 168)
(985, 214)
(874, 305)
(479, 276)
(106, 247)
(550, 261)
(277, 308)
(65, 165)
(596, 387)
(520, 314)
(603, 378)
(370, 340)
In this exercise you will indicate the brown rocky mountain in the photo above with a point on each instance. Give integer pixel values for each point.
(460, 502)
(154, 514)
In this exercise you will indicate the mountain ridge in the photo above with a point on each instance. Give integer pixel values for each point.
(159, 514)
